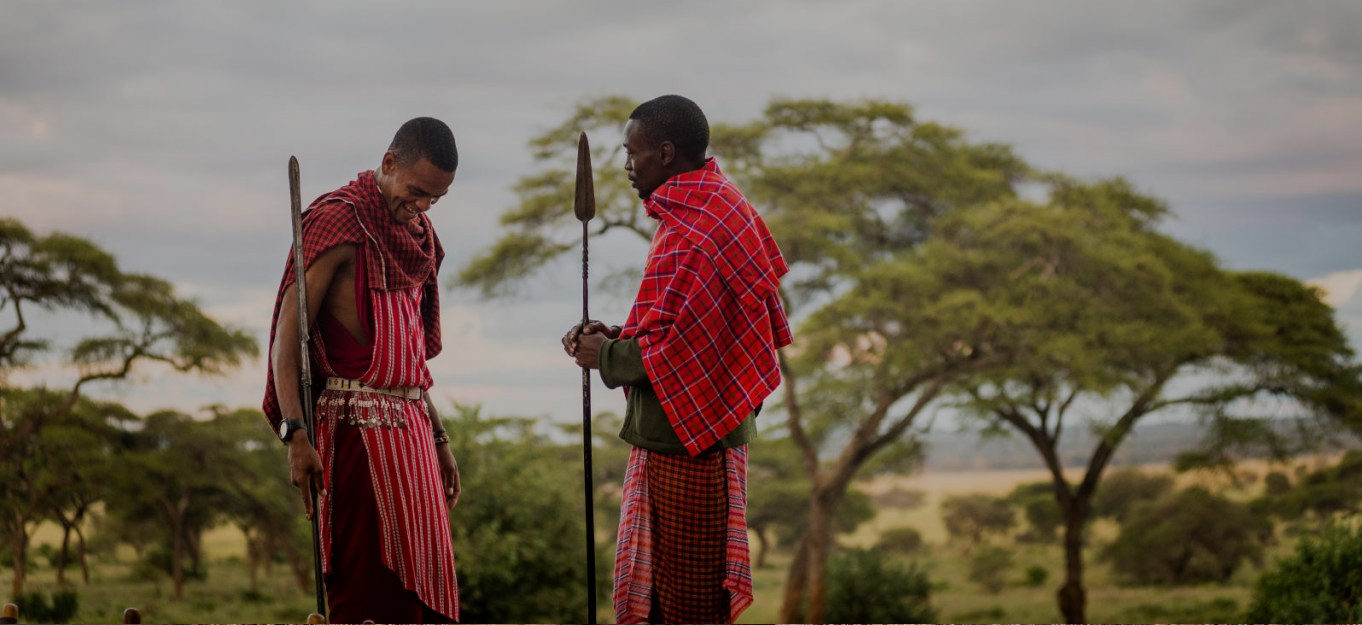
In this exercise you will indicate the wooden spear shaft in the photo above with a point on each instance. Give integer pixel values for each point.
(584, 205)
(305, 368)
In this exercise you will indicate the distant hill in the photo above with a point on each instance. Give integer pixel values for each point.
(968, 451)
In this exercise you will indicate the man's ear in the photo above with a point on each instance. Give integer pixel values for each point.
(389, 163)
(666, 152)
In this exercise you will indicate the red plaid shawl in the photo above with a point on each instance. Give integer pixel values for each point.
(397, 257)
(708, 315)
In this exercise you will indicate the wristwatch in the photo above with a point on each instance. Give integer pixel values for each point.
(287, 427)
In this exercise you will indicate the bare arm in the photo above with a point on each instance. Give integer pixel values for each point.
(449, 467)
(305, 466)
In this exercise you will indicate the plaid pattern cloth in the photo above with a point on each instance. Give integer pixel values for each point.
(708, 316)
(397, 258)
(683, 554)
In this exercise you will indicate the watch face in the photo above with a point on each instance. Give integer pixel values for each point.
(283, 429)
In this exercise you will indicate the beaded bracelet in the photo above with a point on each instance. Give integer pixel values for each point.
(441, 438)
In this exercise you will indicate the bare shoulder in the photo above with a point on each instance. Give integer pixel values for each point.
(335, 262)
(335, 257)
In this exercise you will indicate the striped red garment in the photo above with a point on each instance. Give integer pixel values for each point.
(413, 517)
(708, 315)
(397, 257)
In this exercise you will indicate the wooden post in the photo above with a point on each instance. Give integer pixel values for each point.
(131, 615)
(10, 614)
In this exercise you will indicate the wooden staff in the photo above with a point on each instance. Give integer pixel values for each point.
(584, 205)
(305, 369)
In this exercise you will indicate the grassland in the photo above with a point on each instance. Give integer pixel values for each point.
(225, 594)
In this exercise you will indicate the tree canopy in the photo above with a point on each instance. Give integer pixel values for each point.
(922, 277)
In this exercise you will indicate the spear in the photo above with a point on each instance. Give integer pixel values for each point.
(305, 370)
(584, 205)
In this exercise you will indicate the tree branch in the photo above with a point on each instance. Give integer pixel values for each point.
(794, 419)
(1107, 444)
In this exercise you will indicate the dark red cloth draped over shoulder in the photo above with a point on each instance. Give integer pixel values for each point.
(708, 315)
(397, 256)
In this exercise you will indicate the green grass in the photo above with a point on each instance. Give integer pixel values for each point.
(225, 594)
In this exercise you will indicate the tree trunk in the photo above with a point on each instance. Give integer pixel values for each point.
(808, 571)
(80, 552)
(178, 550)
(791, 608)
(763, 546)
(177, 562)
(1072, 596)
(20, 556)
(64, 554)
(254, 553)
(820, 543)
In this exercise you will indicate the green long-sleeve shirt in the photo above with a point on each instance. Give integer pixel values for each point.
(645, 423)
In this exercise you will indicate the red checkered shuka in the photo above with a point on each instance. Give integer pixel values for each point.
(668, 552)
(414, 522)
(708, 315)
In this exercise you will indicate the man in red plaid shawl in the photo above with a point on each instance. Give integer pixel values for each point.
(696, 356)
(382, 465)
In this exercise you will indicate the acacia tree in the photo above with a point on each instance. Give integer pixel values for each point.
(258, 498)
(1102, 320)
(848, 189)
(139, 318)
(177, 480)
(77, 456)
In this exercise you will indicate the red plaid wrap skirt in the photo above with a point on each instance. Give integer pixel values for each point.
(683, 553)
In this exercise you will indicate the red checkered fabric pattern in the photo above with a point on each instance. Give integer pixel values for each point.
(683, 553)
(708, 315)
(398, 257)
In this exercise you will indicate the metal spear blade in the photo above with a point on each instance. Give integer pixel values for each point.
(584, 204)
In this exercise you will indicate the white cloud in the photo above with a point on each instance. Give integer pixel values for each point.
(1339, 287)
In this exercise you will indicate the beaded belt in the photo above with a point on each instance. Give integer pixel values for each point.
(355, 386)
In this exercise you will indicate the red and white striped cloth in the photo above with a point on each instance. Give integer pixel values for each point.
(413, 515)
(400, 266)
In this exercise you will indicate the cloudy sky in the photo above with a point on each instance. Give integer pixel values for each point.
(161, 130)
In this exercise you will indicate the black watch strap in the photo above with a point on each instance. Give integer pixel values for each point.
(288, 427)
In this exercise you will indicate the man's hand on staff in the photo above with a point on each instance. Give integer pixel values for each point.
(583, 343)
(305, 469)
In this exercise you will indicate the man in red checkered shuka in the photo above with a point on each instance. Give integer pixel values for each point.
(382, 465)
(696, 357)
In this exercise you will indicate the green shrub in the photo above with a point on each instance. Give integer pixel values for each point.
(1121, 491)
(34, 607)
(1191, 536)
(989, 567)
(865, 586)
(1036, 575)
(1321, 582)
(901, 540)
(156, 562)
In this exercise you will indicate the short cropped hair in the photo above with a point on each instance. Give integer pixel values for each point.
(676, 119)
(428, 138)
